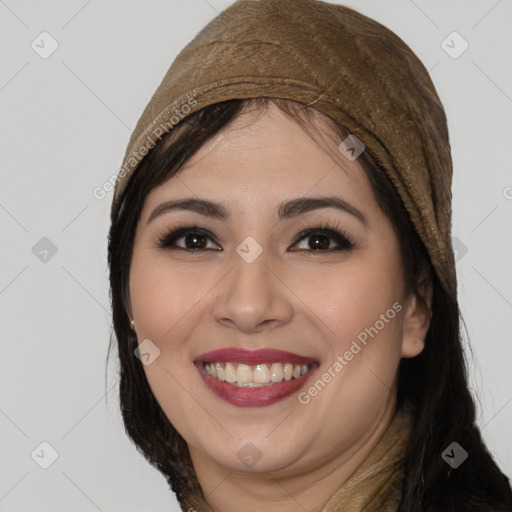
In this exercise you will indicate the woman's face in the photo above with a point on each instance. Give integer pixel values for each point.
(308, 330)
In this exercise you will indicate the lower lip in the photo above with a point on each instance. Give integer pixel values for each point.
(253, 397)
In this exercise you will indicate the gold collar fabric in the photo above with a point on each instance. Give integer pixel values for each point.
(342, 63)
(375, 486)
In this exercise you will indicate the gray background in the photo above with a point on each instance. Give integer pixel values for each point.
(65, 122)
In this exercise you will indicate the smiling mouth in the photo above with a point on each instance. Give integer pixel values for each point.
(258, 375)
(254, 378)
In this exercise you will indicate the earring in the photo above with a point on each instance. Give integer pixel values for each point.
(132, 324)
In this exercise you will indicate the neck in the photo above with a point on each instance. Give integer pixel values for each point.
(285, 490)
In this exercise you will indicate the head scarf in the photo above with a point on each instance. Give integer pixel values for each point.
(343, 64)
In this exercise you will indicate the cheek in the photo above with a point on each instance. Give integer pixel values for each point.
(177, 393)
(365, 318)
(361, 304)
(162, 298)
(353, 299)
(164, 303)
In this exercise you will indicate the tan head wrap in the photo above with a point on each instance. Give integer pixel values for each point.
(343, 64)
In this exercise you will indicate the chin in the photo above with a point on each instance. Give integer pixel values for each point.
(247, 457)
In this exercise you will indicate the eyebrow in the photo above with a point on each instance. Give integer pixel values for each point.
(287, 209)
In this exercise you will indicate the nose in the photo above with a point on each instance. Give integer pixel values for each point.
(253, 297)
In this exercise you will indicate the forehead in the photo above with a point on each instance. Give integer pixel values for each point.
(264, 157)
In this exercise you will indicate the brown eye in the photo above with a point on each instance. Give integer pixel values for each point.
(319, 240)
(195, 241)
(188, 239)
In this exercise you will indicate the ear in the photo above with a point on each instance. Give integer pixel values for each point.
(417, 316)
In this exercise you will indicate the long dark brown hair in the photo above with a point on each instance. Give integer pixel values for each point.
(435, 383)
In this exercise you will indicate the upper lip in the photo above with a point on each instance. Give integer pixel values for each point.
(253, 357)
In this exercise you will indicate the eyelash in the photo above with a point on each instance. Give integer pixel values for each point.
(334, 231)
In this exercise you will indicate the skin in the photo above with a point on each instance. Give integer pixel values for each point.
(310, 303)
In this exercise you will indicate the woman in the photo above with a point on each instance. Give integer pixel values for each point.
(282, 277)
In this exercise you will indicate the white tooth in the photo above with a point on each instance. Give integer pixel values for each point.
(220, 371)
(276, 372)
(261, 374)
(288, 371)
(252, 385)
(243, 374)
(229, 373)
